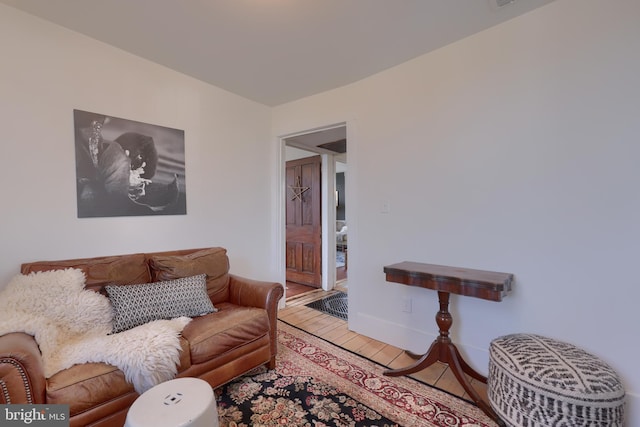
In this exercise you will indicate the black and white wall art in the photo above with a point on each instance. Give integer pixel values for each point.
(128, 168)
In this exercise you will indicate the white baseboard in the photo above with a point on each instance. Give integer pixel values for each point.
(632, 410)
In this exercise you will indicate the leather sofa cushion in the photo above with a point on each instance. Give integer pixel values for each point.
(206, 337)
(234, 326)
(212, 261)
(87, 385)
(100, 271)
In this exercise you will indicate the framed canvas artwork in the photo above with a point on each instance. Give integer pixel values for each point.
(128, 168)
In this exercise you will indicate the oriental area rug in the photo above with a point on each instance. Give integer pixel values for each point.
(318, 384)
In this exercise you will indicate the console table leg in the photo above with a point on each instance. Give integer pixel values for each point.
(466, 368)
(428, 359)
(443, 350)
(458, 366)
(413, 355)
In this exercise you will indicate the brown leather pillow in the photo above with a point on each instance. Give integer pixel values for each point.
(213, 262)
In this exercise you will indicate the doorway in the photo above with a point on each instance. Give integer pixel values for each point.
(330, 143)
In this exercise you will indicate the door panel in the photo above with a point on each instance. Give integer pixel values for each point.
(303, 221)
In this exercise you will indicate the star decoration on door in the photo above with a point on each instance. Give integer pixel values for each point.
(297, 190)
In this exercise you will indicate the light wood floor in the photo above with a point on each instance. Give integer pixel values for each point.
(336, 331)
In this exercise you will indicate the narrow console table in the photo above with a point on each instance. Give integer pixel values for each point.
(487, 285)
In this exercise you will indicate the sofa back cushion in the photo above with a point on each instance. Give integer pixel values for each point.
(210, 261)
(100, 271)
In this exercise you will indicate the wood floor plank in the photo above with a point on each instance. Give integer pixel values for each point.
(371, 348)
(402, 360)
(336, 323)
(340, 341)
(308, 315)
(336, 333)
(386, 355)
(355, 343)
(319, 323)
(449, 382)
(295, 317)
(432, 374)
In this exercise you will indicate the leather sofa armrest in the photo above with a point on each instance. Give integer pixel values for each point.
(21, 370)
(256, 293)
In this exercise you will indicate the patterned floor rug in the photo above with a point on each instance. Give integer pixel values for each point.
(317, 384)
(335, 305)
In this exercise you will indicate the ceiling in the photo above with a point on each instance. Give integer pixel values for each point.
(276, 51)
(327, 141)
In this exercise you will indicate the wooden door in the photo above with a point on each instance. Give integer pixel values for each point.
(303, 222)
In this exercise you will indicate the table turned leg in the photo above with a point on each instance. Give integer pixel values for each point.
(443, 350)
(439, 348)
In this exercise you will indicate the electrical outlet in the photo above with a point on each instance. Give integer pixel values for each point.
(406, 305)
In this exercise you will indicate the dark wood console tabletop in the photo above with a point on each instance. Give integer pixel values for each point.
(482, 284)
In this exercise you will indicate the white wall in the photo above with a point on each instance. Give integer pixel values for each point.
(514, 150)
(46, 71)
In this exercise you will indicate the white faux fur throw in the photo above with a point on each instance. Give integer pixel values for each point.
(72, 325)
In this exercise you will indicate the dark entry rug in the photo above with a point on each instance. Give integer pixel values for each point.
(336, 305)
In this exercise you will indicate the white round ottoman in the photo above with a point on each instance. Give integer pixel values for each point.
(176, 403)
(537, 381)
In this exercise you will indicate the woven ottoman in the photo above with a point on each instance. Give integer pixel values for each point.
(537, 381)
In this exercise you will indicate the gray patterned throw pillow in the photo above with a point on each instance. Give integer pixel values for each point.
(135, 305)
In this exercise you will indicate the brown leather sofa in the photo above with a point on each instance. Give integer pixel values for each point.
(216, 347)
